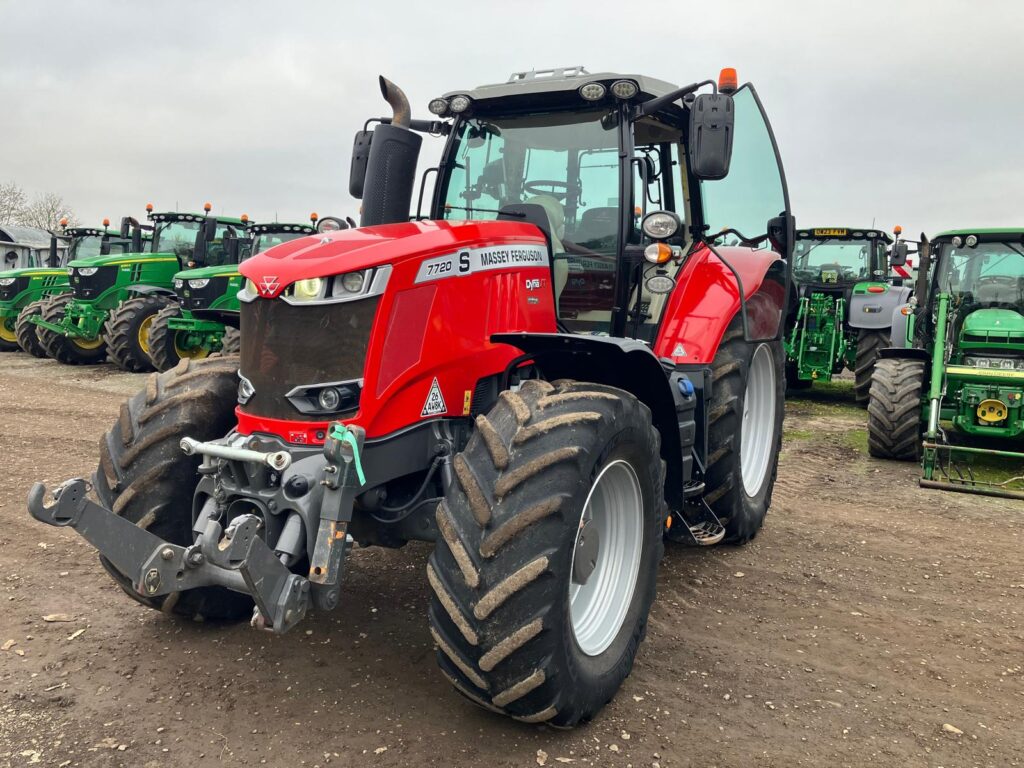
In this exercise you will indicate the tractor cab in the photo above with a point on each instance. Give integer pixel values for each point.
(195, 239)
(835, 259)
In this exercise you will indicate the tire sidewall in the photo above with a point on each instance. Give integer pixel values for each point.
(599, 677)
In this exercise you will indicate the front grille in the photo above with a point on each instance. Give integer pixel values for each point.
(201, 298)
(92, 286)
(286, 346)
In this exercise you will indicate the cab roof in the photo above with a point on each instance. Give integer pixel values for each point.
(990, 231)
(279, 226)
(839, 233)
(177, 216)
(561, 80)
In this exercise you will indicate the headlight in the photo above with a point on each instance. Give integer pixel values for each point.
(592, 91)
(660, 225)
(250, 287)
(87, 271)
(202, 283)
(438, 106)
(459, 103)
(349, 284)
(178, 283)
(308, 289)
(329, 399)
(7, 281)
(70, 271)
(625, 89)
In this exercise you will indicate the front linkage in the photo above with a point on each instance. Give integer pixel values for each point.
(234, 557)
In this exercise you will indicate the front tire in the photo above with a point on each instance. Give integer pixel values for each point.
(144, 476)
(533, 615)
(744, 431)
(128, 332)
(869, 346)
(894, 411)
(67, 349)
(165, 347)
(8, 334)
(28, 337)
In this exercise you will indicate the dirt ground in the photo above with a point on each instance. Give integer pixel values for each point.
(871, 623)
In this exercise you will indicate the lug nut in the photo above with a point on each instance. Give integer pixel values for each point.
(167, 553)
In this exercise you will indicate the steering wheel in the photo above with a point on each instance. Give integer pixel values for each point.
(534, 188)
(1007, 280)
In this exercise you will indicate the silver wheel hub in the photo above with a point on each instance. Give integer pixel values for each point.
(757, 433)
(606, 558)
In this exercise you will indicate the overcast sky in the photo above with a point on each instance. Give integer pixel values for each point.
(898, 112)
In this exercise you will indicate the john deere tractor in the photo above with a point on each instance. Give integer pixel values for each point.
(950, 392)
(115, 298)
(205, 317)
(23, 291)
(844, 304)
(423, 379)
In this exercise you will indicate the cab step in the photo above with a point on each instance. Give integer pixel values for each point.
(700, 527)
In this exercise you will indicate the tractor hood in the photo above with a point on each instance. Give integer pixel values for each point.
(33, 272)
(995, 323)
(117, 259)
(347, 250)
(224, 270)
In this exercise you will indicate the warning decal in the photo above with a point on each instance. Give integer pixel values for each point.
(435, 402)
(679, 351)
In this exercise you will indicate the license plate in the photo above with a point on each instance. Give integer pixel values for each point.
(830, 232)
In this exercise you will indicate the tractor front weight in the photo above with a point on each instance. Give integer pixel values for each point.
(81, 321)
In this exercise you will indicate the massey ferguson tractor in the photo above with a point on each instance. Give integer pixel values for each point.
(950, 391)
(556, 368)
(845, 303)
(204, 319)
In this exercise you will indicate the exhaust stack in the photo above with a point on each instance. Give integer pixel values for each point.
(391, 166)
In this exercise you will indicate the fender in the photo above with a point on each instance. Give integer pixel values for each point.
(874, 311)
(898, 336)
(151, 289)
(618, 362)
(707, 298)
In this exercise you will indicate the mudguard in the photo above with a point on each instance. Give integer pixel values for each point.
(874, 311)
(707, 299)
(900, 323)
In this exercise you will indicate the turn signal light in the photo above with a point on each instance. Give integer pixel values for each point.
(658, 253)
(727, 80)
(876, 289)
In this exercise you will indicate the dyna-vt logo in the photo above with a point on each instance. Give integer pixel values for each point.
(534, 284)
(268, 285)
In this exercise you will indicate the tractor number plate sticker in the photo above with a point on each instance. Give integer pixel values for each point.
(829, 232)
(434, 406)
(470, 260)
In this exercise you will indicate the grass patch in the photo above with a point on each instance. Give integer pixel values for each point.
(794, 435)
(857, 439)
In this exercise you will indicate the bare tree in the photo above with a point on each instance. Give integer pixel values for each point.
(46, 211)
(12, 203)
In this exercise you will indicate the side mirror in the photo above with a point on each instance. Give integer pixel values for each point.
(360, 157)
(137, 238)
(53, 253)
(231, 248)
(782, 234)
(209, 229)
(898, 257)
(105, 246)
(712, 119)
(126, 225)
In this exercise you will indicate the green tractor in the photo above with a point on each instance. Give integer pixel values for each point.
(204, 318)
(950, 392)
(843, 305)
(115, 298)
(24, 291)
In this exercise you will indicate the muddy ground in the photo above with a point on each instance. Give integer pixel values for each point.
(871, 623)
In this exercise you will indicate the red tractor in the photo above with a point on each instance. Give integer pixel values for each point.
(554, 370)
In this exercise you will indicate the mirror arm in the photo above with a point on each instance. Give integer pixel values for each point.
(652, 106)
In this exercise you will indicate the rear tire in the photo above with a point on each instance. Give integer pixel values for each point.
(510, 624)
(144, 476)
(894, 410)
(128, 332)
(739, 479)
(28, 337)
(231, 343)
(869, 345)
(64, 349)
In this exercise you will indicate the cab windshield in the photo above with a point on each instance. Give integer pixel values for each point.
(177, 237)
(84, 247)
(270, 239)
(990, 274)
(837, 260)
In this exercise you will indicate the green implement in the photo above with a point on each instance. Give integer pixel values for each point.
(958, 375)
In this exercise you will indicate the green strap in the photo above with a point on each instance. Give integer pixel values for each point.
(344, 434)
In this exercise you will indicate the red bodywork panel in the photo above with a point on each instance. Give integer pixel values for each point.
(440, 328)
(706, 299)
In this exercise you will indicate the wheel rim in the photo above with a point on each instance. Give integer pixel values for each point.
(144, 333)
(758, 427)
(83, 343)
(192, 353)
(614, 509)
(6, 333)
